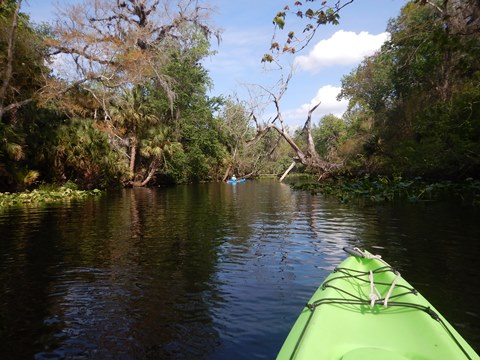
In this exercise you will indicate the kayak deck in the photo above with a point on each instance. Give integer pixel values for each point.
(366, 310)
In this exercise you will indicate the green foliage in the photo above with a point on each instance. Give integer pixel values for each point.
(384, 189)
(83, 154)
(279, 20)
(329, 135)
(176, 137)
(204, 150)
(414, 110)
(162, 119)
(176, 169)
(414, 107)
(272, 162)
(447, 138)
(370, 86)
(30, 55)
(28, 69)
(194, 127)
(246, 153)
(309, 17)
(48, 195)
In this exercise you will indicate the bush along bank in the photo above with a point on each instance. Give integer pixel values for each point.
(46, 195)
(385, 189)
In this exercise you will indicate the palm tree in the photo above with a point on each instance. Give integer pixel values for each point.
(130, 115)
(83, 154)
(159, 145)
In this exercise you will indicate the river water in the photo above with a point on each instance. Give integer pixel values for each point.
(210, 271)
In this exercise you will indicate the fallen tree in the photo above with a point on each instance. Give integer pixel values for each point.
(307, 156)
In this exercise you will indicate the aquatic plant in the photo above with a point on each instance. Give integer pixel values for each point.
(385, 189)
(46, 195)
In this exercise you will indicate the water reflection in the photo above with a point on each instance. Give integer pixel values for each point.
(209, 271)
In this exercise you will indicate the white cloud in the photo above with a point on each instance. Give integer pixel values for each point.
(327, 95)
(342, 48)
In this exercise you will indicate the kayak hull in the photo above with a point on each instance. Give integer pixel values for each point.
(235, 181)
(347, 318)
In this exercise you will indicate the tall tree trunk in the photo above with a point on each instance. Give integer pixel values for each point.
(133, 155)
(227, 172)
(153, 168)
(311, 151)
(292, 165)
(7, 75)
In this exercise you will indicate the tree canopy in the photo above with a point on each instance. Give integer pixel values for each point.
(114, 93)
(421, 94)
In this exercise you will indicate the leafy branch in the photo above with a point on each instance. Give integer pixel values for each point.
(314, 17)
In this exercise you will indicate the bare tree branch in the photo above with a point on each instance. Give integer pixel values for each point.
(308, 157)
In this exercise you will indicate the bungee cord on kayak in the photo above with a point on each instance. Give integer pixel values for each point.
(360, 276)
(374, 293)
(389, 294)
(361, 289)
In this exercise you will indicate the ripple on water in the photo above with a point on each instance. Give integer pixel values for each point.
(202, 271)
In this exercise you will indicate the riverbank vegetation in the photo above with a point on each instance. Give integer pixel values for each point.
(119, 96)
(383, 189)
(46, 195)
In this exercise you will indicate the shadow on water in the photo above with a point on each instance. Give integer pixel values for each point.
(209, 271)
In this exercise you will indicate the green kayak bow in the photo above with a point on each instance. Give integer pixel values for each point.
(364, 310)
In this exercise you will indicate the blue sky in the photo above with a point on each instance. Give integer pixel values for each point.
(246, 35)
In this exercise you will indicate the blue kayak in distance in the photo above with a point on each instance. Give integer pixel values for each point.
(235, 181)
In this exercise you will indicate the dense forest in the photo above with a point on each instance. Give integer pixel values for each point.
(117, 95)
